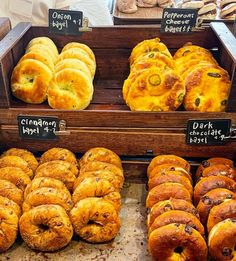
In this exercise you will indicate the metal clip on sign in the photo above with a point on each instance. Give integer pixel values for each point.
(62, 129)
(85, 27)
(232, 135)
(198, 26)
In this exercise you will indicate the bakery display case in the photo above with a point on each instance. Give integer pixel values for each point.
(108, 122)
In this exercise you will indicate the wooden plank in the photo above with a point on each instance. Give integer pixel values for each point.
(5, 27)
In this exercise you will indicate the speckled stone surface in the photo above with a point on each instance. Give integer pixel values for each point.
(130, 244)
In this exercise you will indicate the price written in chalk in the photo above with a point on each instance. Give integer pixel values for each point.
(176, 20)
(36, 127)
(65, 21)
(207, 132)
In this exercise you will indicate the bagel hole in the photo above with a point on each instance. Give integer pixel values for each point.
(43, 227)
(178, 250)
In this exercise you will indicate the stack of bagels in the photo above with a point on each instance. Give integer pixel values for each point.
(96, 196)
(45, 224)
(215, 198)
(174, 229)
(17, 167)
(65, 80)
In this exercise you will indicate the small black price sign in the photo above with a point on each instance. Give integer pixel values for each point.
(207, 132)
(37, 127)
(178, 20)
(65, 21)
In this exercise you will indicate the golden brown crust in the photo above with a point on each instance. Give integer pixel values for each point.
(155, 89)
(163, 168)
(103, 216)
(220, 170)
(221, 240)
(45, 196)
(97, 187)
(165, 242)
(212, 198)
(16, 176)
(166, 191)
(6, 203)
(207, 89)
(170, 204)
(44, 50)
(177, 216)
(30, 81)
(10, 191)
(8, 227)
(208, 183)
(46, 228)
(84, 47)
(101, 154)
(70, 89)
(59, 154)
(148, 46)
(15, 161)
(213, 161)
(46, 183)
(25, 155)
(220, 212)
(58, 169)
(168, 159)
(171, 176)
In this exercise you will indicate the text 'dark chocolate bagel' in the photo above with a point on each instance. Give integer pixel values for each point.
(177, 242)
(46, 228)
(95, 220)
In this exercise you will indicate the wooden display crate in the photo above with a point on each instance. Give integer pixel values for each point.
(108, 121)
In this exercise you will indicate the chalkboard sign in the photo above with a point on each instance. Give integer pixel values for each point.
(36, 127)
(65, 21)
(208, 132)
(178, 20)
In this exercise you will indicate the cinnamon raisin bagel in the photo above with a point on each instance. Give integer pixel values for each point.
(72, 64)
(170, 176)
(95, 220)
(10, 191)
(222, 240)
(168, 159)
(84, 47)
(59, 154)
(58, 169)
(36, 55)
(46, 183)
(98, 165)
(220, 170)
(45, 196)
(6, 203)
(15, 161)
(46, 228)
(70, 89)
(177, 242)
(166, 191)
(169, 167)
(155, 89)
(170, 204)
(212, 198)
(147, 46)
(212, 182)
(25, 155)
(101, 154)
(207, 89)
(179, 217)
(220, 212)
(44, 41)
(8, 228)
(16, 176)
(30, 81)
(213, 161)
(115, 181)
(81, 55)
(97, 187)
